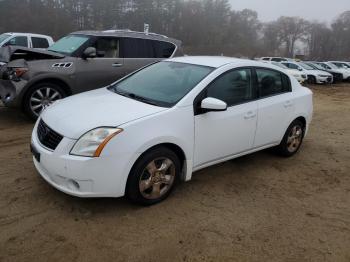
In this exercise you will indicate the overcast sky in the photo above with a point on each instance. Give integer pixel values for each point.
(322, 10)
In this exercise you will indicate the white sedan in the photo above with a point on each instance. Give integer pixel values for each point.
(314, 76)
(142, 134)
(299, 75)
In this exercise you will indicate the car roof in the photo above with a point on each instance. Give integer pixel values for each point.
(27, 34)
(131, 34)
(217, 61)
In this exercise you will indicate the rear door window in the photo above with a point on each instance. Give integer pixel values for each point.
(272, 82)
(39, 42)
(137, 48)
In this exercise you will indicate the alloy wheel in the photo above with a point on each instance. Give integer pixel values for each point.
(157, 178)
(294, 138)
(42, 98)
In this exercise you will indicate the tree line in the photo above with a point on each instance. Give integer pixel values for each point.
(205, 26)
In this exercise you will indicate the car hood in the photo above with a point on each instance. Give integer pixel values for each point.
(10, 53)
(74, 116)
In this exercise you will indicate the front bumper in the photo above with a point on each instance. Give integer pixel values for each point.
(324, 80)
(11, 92)
(105, 176)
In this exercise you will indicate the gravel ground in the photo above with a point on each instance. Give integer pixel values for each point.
(256, 208)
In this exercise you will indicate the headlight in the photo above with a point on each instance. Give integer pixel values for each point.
(92, 143)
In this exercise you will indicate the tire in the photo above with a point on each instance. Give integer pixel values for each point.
(292, 139)
(311, 80)
(40, 96)
(147, 183)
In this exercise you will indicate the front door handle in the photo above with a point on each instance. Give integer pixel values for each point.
(250, 115)
(117, 65)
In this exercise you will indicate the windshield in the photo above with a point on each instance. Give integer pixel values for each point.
(342, 65)
(332, 66)
(69, 44)
(305, 66)
(314, 65)
(280, 65)
(162, 84)
(3, 37)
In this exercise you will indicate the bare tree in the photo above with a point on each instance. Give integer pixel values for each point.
(204, 26)
(291, 29)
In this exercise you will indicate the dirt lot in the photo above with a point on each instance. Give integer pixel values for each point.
(257, 208)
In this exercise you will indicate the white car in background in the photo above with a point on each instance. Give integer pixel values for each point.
(314, 76)
(275, 59)
(26, 40)
(338, 69)
(158, 125)
(299, 75)
(341, 64)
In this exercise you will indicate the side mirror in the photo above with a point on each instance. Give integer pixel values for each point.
(300, 69)
(213, 104)
(90, 52)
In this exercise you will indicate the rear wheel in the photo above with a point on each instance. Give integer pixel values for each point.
(292, 139)
(41, 96)
(153, 177)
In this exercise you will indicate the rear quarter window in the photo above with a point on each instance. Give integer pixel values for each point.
(163, 49)
(146, 48)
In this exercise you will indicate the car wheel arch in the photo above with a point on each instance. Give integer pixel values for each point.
(173, 147)
(301, 119)
(56, 81)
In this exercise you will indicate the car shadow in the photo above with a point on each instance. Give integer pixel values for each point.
(214, 177)
(12, 116)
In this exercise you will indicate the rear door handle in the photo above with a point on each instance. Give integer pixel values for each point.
(117, 65)
(249, 115)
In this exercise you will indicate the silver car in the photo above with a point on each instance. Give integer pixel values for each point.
(33, 79)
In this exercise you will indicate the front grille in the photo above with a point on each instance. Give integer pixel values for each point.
(47, 136)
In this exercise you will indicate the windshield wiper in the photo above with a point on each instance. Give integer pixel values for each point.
(136, 97)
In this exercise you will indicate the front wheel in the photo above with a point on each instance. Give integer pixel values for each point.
(292, 139)
(312, 80)
(39, 97)
(153, 177)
